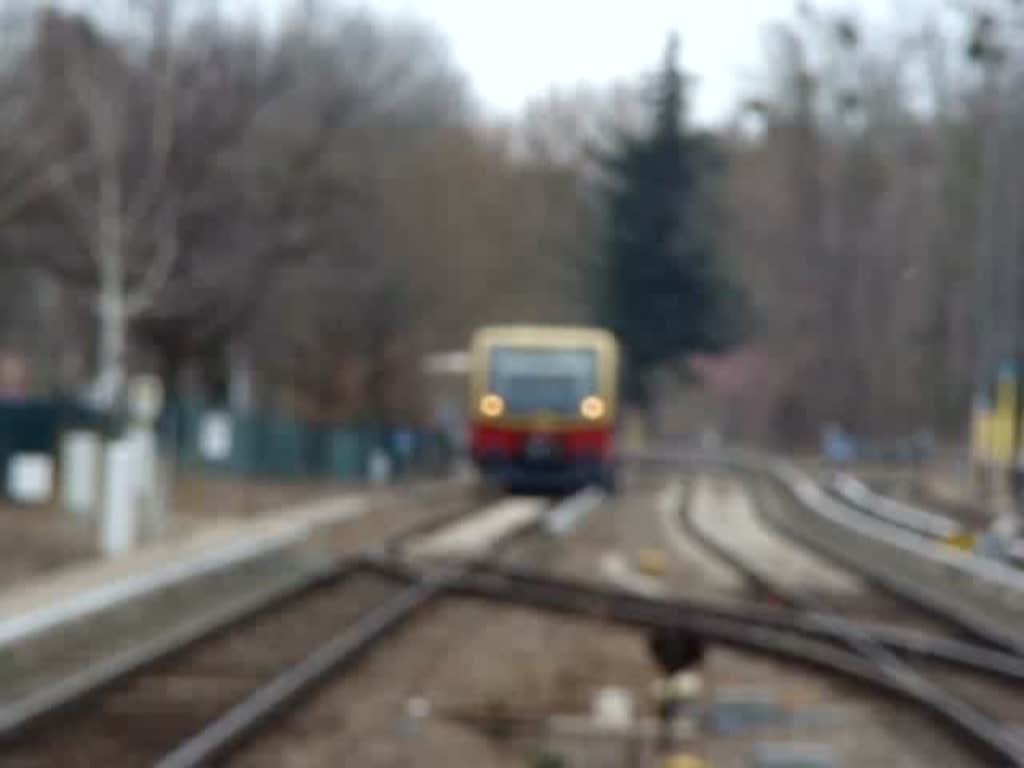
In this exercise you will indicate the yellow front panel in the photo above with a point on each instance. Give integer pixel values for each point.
(545, 337)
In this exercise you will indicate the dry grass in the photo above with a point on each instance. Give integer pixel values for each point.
(39, 539)
(205, 496)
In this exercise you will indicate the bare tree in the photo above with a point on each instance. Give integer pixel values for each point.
(105, 125)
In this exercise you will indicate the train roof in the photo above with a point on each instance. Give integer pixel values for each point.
(550, 334)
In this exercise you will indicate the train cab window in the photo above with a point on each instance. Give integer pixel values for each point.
(552, 380)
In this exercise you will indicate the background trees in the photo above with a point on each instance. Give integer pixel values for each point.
(291, 216)
(863, 212)
(662, 289)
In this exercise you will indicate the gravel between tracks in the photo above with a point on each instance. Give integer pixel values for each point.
(635, 523)
(463, 657)
(473, 662)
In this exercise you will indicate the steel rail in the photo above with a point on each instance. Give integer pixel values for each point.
(759, 584)
(792, 639)
(891, 510)
(957, 710)
(270, 700)
(241, 723)
(827, 627)
(18, 718)
(889, 542)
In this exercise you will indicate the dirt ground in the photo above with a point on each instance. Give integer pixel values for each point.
(34, 540)
(207, 496)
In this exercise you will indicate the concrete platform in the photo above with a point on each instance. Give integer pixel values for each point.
(477, 534)
(72, 594)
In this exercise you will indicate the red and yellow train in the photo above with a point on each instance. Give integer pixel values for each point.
(543, 403)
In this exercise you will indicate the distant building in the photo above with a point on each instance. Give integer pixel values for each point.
(744, 386)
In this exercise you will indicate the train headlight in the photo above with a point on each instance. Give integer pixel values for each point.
(592, 408)
(492, 406)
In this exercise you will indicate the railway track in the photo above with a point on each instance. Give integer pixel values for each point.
(977, 597)
(140, 717)
(836, 647)
(765, 582)
(198, 697)
(943, 696)
(509, 582)
(898, 512)
(190, 697)
(982, 598)
(922, 517)
(41, 676)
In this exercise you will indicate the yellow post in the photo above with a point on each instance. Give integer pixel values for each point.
(1006, 417)
(1004, 432)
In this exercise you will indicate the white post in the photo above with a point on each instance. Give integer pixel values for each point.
(144, 446)
(79, 470)
(380, 467)
(119, 526)
(147, 398)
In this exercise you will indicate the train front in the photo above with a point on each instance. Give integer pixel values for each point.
(542, 402)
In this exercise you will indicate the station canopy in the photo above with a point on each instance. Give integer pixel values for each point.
(450, 363)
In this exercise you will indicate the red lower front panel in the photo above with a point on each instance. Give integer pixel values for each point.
(508, 442)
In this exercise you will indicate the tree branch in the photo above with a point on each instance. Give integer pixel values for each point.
(164, 117)
(57, 176)
(159, 271)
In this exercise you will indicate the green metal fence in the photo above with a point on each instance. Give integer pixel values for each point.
(260, 445)
(268, 445)
(35, 426)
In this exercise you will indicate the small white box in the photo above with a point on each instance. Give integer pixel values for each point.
(612, 708)
(30, 478)
(216, 436)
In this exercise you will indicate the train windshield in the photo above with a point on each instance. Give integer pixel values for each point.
(553, 380)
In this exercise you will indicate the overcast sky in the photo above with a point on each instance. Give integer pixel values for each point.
(512, 50)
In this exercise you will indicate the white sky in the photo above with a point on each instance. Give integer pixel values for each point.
(512, 50)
